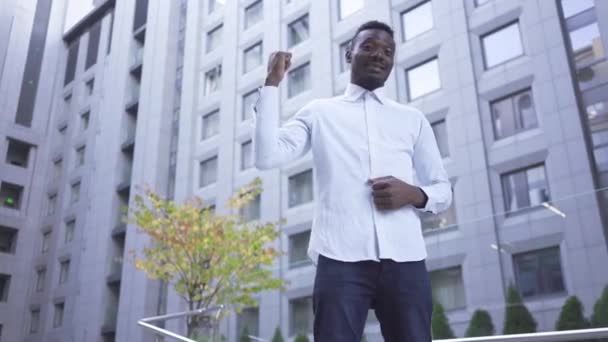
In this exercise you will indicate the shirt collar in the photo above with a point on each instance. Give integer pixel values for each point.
(354, 92)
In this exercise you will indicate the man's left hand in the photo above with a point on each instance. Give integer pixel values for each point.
(389, 192)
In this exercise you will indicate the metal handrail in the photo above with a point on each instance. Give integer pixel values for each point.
(552, 336)
(146, 322)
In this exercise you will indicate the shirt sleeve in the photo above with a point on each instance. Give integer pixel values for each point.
(433, 178)
(275, 146)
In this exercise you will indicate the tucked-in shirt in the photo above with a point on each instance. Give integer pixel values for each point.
(354, 137)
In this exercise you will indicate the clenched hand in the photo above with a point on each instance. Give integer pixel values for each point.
(389, 192)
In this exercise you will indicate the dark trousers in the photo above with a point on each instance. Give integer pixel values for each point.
(399, 292)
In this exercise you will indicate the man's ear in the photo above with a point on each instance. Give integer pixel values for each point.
(349, 55)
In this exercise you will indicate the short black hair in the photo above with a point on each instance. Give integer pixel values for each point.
(372, 25)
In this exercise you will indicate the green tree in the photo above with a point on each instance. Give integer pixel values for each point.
(301, 338)
(599, 318)
(278, 337)
(208, 259)
(480, 324)
(440, 325)
(571, 316)
(517, 317)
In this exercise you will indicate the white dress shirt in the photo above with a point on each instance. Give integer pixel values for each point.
(355, 137)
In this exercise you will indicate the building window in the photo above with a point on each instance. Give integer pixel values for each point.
(64, 270)
(90, 86)
(300, 316)
(248, 322)
(67, 104)
(445, 219)
(441, 135)
(214, 38)
(213, 80)
(252, 210)
(249, 101)
(254, 13)
(417, 20)
(40, 279)
(300, 188)
(423, 79)
(481, 2)
(525, 188)
(210, 124)
(574, 7)
(34, 321)
(63, 133)
(8, 239)
(344, 47)
(57, 165)
(75, 192)
(70, 69)
(17, 153)
(448, 288)
(252, 57)
(246, 155)
(80, 152)
(70, 226)
(84, 121)
(587, 46)
(93, 46)
(52, 204)
(46, 242)
(215, 5)
(5, 283)
(10, 195)
(297, 31)
(208, 172)
(58, 316)
(298, 250)
(502, 45)
(348, 7)
(299, 80)
(539, 272)
(513, 114)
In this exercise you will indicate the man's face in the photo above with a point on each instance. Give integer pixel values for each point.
(371, 58)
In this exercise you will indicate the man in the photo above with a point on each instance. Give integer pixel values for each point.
(366, 238)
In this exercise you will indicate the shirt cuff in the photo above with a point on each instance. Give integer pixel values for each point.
(429, 206)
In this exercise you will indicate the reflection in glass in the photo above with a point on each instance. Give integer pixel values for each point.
(348, 7)
(254, 13)
(298, 247)
(344, 65)
(448, 288)
(538, 272)
(525, 188)
(513, 114)
(572, 7)
(246, 155)
(299, 80)
(213, 80)
(252, 57)
(208, 171)
(441, 135)
(298, 31)
(502, 45)
(249, 100)
(587, 44)
(423, 79)
(214, 38)
(248, 320)
(417, 21)
(301, 315)
(300, 188)
(210, 124)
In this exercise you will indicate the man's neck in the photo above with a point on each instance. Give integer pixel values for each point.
(367, 86)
